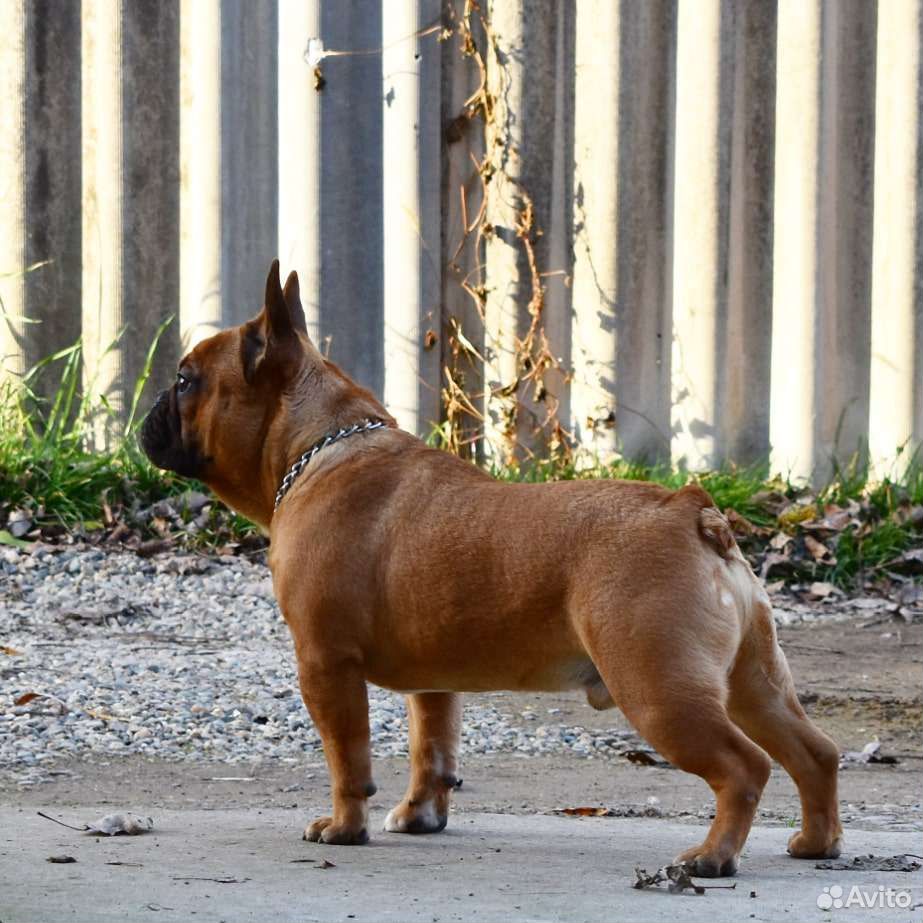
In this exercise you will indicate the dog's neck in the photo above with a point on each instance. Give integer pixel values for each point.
(323, 399)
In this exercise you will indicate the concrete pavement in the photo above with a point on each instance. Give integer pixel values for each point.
(483, 867)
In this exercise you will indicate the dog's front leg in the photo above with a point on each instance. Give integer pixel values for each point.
(336, 697)
(435, 725)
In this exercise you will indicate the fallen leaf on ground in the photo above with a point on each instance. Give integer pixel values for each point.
(679, 879)
(870, 863)
(774, 562)
(645, 758)
(820, 590)
(835, 520)
(221, 881)
(779, 541)
(742, 527)
(60, 860)
(327, 864)
(870, 753)
(910, 562)
(110, 825)
(797, 514)
(154, 546)
(11, 651)
(586, 812)
(43, 698)
(818, 550)
(116, 824)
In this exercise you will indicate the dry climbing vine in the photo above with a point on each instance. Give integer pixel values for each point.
(515, 418)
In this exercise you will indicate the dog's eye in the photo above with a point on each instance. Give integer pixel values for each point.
(183, 384)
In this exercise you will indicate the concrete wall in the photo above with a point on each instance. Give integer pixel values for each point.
(724, 194)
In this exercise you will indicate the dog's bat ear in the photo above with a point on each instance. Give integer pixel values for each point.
(280, 318)
(292, 295)
(270, 338)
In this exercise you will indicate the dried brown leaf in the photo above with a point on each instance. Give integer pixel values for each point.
(821, 590)
(818, 550)
(586, 812)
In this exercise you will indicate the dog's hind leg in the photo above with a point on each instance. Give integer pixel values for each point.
(696, 735)
(435, 725)
(763, 703)
(337, 699)
(671, 683)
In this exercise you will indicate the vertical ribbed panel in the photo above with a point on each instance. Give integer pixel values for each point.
(844, 285)
(345, 217)
(230, 160)
(200, 159)
(130, 133)
(594, 341)
(150, 187)
(823, 233)
(795, 258)
(411, 73)
(745, 334)
(896, 398)
(13, 326)
(699, 257)
(622, 211)
(103, 298)
(300, 185)
(249, 154)
(40, 274)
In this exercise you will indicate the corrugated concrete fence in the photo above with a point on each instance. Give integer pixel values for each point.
(702, 218)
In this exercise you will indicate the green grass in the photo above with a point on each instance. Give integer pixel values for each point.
(46, 466)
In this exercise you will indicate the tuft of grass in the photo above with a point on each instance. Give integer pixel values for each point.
(48, 464)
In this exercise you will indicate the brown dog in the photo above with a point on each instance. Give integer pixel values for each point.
(406, 567)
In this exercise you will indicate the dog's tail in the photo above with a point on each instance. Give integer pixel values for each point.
(716, 530)
(713, 526)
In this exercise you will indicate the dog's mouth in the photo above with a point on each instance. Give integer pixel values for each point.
(161, 438)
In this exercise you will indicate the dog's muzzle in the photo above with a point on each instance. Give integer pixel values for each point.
(161, 439)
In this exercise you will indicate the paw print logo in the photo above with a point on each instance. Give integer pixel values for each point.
(831, 897)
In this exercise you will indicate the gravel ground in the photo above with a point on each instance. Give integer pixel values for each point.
(183, 657)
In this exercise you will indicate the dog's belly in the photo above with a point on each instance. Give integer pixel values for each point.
(408, 677)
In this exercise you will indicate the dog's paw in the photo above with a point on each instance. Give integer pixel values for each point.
(703, 863)
(323, 830)
(409, 817)
(802, 847)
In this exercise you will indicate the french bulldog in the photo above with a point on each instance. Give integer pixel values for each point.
(400, 565)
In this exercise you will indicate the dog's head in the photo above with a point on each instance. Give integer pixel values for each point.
(239, 401)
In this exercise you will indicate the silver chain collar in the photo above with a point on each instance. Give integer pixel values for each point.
(304, 459)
